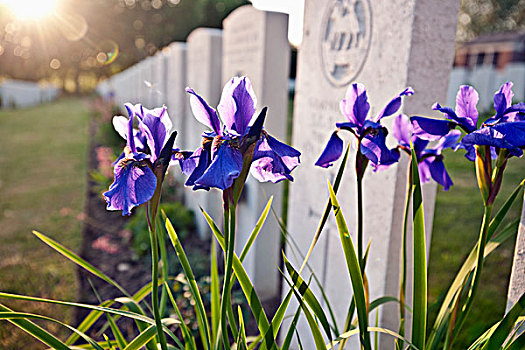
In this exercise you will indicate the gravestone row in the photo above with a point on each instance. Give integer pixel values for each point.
(385, 44)
(21, 94)
(253, 43)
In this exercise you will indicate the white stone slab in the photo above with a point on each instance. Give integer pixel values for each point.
(255, 44)
(204, 61)
(19, 94)
(394, 44)
(175, 82)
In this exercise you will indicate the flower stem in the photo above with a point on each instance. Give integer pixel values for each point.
(477, 271)
(229, 227)
(361, 162)
(155, 277)
(402, 284)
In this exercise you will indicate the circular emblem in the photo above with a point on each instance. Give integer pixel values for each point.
(345, 39)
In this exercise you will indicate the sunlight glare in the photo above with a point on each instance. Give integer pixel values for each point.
(31, 9)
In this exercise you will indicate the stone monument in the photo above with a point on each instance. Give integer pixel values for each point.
(255, 44)
(386, 45)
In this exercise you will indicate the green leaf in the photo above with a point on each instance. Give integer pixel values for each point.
(246, 286)
(87, 306)
(90, 319)
(419, 299)
(144, 337)
(327, 208)
(352, 263)
(504, 329)
(440, 325)
(256, 230)
(293, 326)
(189, 340)
(214, 290)
(314, 328)
(121, 341)
(500, 215)
(79, 261)
(518, 343)
(36, 331)
(353, 332)
(23, 315)
(242, 344)
(204, 327)
(133, 305)
(306, 293)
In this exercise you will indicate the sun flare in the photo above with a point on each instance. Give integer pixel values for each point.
(31, 9)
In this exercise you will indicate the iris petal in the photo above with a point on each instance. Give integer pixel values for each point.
(203, 112)
(332, 151)
(430, 129)
(503, 98)
(238, 104)
(394, 105)
(273, 160)
(373, 146)
(510, 136)
(466, 100)
(355, 106)
(223, 170)
(134, 185)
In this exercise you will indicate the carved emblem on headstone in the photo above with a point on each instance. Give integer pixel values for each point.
(345, 39)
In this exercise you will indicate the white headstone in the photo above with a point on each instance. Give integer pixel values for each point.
(255, 44)
(386, 45)
(204, 60)
(175, 84)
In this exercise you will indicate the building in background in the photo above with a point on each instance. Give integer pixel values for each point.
(487, 62)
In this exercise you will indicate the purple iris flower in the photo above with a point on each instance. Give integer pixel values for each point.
(503, 130)
(430, 159)
(370, 133)
(219, 161)
(147, 149)
(154, 128)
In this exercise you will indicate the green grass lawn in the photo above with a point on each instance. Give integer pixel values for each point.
(42, 183)
(457, 220)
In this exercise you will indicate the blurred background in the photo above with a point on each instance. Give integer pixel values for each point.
(76, 43)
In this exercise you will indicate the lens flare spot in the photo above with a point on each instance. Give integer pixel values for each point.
(109, 52)
(54, 64)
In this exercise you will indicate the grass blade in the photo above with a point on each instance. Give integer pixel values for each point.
(518, 343)
(36, 331)
(506, 325)
(327, 208)
(419, 298)
(242, 344)
(214, 290)
(144, 337)
(204, 327)
(500, 215)
(316, 333)
(123, 313)
(79, 261)
(353, 332)
(256, 230)
(189, 340)
(309, 297)
(247, 288)
(293, 325)
(440, 325)
(352, 263)
(90, 319)
(9, 315)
